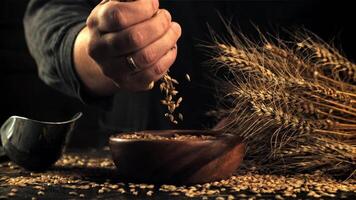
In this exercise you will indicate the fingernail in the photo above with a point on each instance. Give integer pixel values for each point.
(177, 28)
(166, 14)
(104, 1)
(158, 12)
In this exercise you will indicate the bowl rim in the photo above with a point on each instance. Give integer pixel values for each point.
(115, 138)
(73, 119)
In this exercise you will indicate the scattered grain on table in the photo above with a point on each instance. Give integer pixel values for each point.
(246, 184)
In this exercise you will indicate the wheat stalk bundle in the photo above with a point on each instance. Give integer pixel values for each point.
(293, 102)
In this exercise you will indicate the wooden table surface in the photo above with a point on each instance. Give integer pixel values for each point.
(100, 171)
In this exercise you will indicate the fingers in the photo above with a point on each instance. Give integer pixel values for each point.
(119, 31)
(117, 15)
(140, 35)
(140, 81)
(149, 55)
(143, 58)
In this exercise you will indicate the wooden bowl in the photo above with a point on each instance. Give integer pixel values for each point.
(189, 161)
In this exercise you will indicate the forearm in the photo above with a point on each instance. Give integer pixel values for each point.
(51, 28)
(89, 72)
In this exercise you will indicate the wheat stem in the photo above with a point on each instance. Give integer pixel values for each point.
(353, 110)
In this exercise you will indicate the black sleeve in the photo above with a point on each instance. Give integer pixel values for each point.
(51, 27)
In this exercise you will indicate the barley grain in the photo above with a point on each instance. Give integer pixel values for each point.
(168, 88)
(187, 77)
(11, 194)
(40, 193)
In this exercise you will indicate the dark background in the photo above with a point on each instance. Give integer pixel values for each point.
(22, 93)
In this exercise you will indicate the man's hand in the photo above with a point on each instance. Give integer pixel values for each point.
(119, 31)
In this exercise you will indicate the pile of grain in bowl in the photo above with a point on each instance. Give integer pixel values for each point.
(147, 136)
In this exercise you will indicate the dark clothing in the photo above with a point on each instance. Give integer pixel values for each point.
(51, 28)
(52, 25)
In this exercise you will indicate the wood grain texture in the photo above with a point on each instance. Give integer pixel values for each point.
(177, 161)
